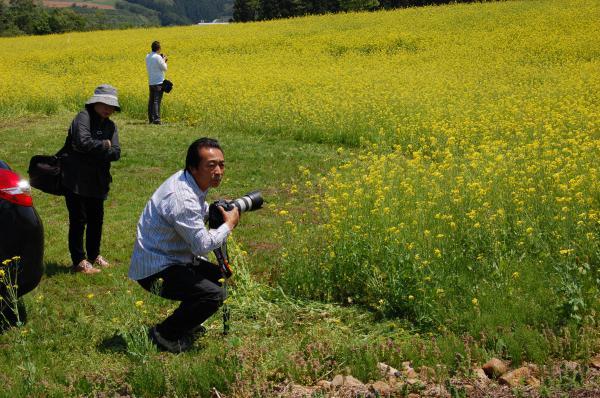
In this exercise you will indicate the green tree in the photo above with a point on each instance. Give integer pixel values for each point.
(269, 9)
(7, 27)
(29, 17)
(322, 6)
(358, 5)
(292, 8)
(65, 21)
(245, 10)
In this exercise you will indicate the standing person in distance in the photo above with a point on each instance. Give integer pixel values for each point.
(156, 65)
(91, 145)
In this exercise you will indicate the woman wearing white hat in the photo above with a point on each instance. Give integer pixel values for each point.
(91, 145)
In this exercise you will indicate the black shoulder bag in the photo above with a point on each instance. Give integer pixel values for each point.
(45, 173)
(167, 86)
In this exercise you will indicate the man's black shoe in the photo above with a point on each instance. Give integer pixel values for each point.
(174, 346)
(198, 332)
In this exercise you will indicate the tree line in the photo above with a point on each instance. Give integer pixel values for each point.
(259, 10)
(29, 17)
(18, 17)
(26, 17)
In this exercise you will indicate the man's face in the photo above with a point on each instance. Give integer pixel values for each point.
(210, 170)
(104, 110)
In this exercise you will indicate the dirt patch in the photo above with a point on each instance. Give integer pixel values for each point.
(561, 379)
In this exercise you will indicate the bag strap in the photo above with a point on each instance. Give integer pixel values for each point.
(63, 151)
(67, 145)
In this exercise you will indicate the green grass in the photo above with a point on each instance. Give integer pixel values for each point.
(77, 345)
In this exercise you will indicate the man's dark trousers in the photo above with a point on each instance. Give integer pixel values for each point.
(154, 100)
(196, 286)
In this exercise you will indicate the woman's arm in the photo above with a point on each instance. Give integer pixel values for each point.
(114, 152)
(82, 140)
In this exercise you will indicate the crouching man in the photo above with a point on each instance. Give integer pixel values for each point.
(172, 243)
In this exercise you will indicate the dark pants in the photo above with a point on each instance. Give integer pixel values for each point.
(84, 211)
(196, 286)
(156, 94)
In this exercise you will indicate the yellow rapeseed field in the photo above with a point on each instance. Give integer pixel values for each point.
(441, 70)
(475, 131)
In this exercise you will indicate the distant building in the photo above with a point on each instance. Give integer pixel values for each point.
(219, 21)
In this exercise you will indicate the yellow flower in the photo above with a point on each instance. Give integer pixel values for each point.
(139, 303)
(90, 296)
(6, 262)
(411, 297)
(2, 273)
(474, 301)
(283, 212)
(516, 275)
(16, 258)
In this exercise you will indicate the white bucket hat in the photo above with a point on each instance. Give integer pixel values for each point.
(106, 94)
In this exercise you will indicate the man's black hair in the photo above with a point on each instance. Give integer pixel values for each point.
(155, 46)
(192, 160)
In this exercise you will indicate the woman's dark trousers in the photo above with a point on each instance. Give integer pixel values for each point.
(84, 211)
(154, 100)
(196, 286)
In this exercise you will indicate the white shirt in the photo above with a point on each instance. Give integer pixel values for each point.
(171, 228)
(156, 67)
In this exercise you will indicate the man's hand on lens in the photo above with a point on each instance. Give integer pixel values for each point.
(231, 217)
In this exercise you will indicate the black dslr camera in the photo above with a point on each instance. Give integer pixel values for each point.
(249, 202)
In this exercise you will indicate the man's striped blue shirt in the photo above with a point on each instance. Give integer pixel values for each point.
(171, 229)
